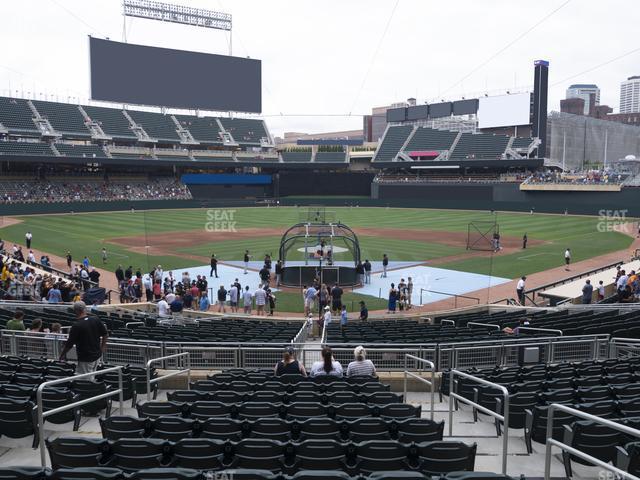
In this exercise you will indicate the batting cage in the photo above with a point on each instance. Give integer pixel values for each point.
(483, 236)
(319, 249)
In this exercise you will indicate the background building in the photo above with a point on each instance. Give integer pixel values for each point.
(584, 91)
(630, 95)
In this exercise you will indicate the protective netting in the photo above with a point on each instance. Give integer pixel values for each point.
(579, 141)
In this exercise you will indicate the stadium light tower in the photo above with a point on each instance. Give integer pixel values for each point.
(166, 12)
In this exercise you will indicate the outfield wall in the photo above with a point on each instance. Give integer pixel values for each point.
(506, 197)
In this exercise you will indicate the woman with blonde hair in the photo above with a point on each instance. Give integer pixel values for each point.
(360, 365)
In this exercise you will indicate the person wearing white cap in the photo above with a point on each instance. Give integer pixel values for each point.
(326, 319)
(361, 365)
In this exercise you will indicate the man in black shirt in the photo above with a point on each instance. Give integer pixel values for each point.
(119, 274)
(265, 275)
(385, 264)
(89, 335)
(128, 273)
(364, 313)
(94, 276)
(214, 265)
(336, 298)
(367, 271)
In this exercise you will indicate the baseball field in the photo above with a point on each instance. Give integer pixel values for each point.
(186, 238)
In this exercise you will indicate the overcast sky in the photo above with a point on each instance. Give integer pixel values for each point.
(326, 59)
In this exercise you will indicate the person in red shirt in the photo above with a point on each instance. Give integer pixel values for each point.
(157, 290)
(195, 291)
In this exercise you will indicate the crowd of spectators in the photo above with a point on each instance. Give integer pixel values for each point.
(45, 191)
(589, 177)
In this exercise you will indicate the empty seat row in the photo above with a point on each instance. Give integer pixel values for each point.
(253, 410)
(410, 430)
(261, 377)
(131, 455)
(335, 385)
(535, 428)
(335, 398)
(106, 473)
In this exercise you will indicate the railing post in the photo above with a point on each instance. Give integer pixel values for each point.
(148, 374)
(405, 379)
(433, 390)
(505, 433)
(121, 394)
(452, 374)
(40, 427)
(549, 436)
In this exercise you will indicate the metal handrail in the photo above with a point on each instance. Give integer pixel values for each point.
(504, 418)
(536, 329)
(187, 355)
(41, 414)
(431, 383)
(551, 442)
(128, 324)
(452, 322)
(497, 327)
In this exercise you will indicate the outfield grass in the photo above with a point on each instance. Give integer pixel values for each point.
(85, 234)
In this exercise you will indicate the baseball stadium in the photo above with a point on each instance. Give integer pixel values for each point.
(189, 289)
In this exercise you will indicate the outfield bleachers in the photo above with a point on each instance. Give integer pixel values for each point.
(330, 157)
(296, 157)
(203, 129)
(25, 148)
(65, 118)
(112, 121)
(88, 151)
(16, 116)
(480, 146)
(522, 142)
(392, 142)
(157, 125)
(244, 130)
(429, 139)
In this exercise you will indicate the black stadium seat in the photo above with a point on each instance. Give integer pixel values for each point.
(199, 454)
(23, 473)
(364, 429)
(16, 419)
(222, 429)
(320, 455)
(418, 430)
(76, 452)
(321, 428)
(443, 457)
(93, 473)
(172, 428)
(592, 438)
(260, 454)
(166, 474)
(116, 427)
(131, 455)
(381, 455)
(271, 428)
(628, 458)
